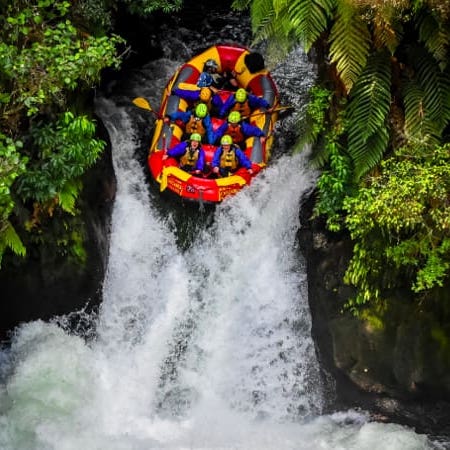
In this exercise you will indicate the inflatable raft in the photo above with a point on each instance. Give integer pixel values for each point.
(250, 76)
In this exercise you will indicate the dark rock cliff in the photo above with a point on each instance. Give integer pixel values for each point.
(396, 370)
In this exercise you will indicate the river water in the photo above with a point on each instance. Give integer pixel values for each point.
(203, 337)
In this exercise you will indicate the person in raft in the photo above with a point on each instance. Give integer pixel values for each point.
(209, 75)
(195, 121)
(203, 95)
(190, 154)
(238, 129)
(229, 157)
(243, 102)
(216, 81)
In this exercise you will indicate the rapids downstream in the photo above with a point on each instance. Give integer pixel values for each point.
(204, 345)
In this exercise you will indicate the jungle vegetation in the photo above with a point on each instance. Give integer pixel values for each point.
(52, 53)
(379, 122)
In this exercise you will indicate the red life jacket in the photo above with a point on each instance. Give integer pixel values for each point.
(243, 108)
(195, 125)
(235, 133)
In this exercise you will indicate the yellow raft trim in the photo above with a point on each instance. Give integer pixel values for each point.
(172, 170)
(184, 176)
(233, 179)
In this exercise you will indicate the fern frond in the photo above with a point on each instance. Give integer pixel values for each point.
(386, 35)
(435, 37)
(426, 94)
(320, 157)
(435, 86)
(271, 25)
(262, 16)
(418, 125)
(240, 5)
(68, 196)
(367, 153)
(10, 239)
(309, 19)
(368, 112)
(371, 97)
(350, 43)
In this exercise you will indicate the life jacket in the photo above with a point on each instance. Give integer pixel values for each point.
(190, 157)
(195, 125)
(235, 133)
(228, 160)
(243, 108)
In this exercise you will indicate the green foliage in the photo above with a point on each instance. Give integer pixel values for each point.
(368, 114)
(43, 59)
(12, 165)
(309, 19)
(10, 239)
(42, 55)
(316, 121)
(387, 63)
(378, 57)
(350, 43)
(434, 35)
(334, 185)
(145, 7)
(426, 97)
(99, 16)
(94, 15)
(66, 149)
(288, 22)
(400, 224)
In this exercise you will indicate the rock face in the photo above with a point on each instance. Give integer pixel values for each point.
(46, 284)
(394, 369)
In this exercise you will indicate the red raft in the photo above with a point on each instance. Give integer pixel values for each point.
(166, 173)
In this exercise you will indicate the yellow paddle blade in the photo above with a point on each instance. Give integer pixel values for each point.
(188, 86)
(142, 103)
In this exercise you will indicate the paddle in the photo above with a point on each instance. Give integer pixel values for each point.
(188, 86)
(269, 111)
(144, 104)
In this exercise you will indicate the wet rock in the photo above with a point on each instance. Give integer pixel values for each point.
(395, 370)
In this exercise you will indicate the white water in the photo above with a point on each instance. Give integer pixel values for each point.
(204, 349)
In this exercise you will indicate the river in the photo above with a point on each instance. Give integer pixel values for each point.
(203, 337)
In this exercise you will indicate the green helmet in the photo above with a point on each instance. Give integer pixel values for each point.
(226, 140)
(234, 117)
(201, 110)
(195, 137)
(241, 95)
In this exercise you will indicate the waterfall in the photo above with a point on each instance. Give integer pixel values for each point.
(202, 347)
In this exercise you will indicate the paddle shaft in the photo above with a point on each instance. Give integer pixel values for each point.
(269, 111)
